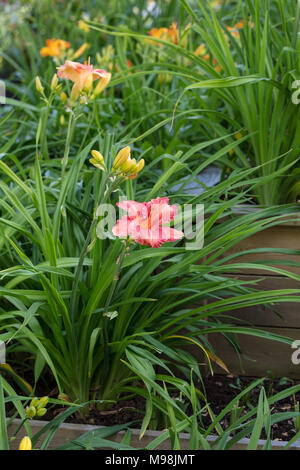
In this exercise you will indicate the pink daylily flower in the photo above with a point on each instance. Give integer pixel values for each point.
(144, 222)
(80, 74)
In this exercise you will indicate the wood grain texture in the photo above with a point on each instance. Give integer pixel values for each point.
(284, 314)
(274, 237)
(259, 355)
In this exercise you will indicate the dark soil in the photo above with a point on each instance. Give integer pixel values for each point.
(220, 390)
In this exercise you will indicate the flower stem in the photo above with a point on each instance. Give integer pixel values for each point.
(105, 317)
(68, 142)
(83, 253)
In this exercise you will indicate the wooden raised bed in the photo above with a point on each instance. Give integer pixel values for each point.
(68, 432)
(259, 355)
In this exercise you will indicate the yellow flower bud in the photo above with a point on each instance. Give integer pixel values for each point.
(83, 26)
(127, 166)
(41, 412)
(88, 84)
(102, 83)
(25, 444)
(122, 157)
(64, 97)
(34, 402)
(74, 93)
(80, 51)
(97, 160)
(164, 78)
(140, 165)
(43, 401)
(38, 85)
(135, 169)
(30, 411)
(238, 135)
(54, 82)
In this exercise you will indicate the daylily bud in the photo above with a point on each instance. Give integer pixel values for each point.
(63, 397)
(38, 85)
(74, 93)
(63, 97)
(30, 411)
(43, 401)
(62, 120)
(34, 402)
(88, 84)
(135, 169)
(127, 166)
(102, 83)
(164, 78)
(25, 444)
(41, 412)
(97, 154)
(97, 160)
(83, 26)
(238, 135)
(80, 51)
(140, 165)
(54, 82)
(122, 157)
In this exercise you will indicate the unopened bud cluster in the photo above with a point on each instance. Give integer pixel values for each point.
(37, 407)
(123, 165)
(54, 85)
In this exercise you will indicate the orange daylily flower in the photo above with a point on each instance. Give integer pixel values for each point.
(54, 47)
(237, 136)
(129, 65)
(217, 66)
(166, 34)
(241, 24)
(82, 76)
(202, 51)
(234, 30)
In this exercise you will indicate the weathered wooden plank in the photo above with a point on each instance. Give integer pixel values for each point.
(284, 314)
(259, 355)
(274, 237)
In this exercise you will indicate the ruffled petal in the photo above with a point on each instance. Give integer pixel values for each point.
(76, 72)
(126, 227)
(169, 234)
(161, 211)
(133, 208)
(155, 238)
